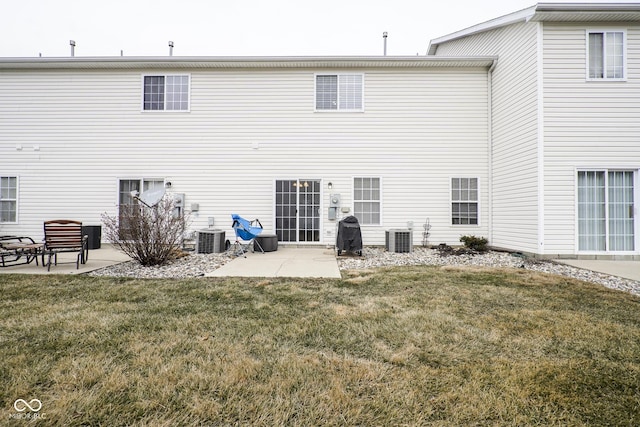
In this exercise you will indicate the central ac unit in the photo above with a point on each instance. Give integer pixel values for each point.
(210, 242)
(399, 241)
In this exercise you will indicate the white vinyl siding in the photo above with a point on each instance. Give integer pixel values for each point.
(587, 126)
(515, 196)
(247, 128)
(606, 55)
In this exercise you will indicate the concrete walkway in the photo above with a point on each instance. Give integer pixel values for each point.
(624, 269)
(285, 262)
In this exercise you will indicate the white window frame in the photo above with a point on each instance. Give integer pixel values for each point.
(143, 182)
(16, 199)
(476, 201)
(636, 196)
(378, 201)
(164, 109)
(338, 97)
(604, 33)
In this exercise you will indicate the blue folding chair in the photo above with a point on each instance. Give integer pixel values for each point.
(246, 231)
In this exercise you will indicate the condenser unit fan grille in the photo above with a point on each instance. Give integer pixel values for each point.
(399, 241)
(210, 242)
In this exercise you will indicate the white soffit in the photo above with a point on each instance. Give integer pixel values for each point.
(175, 62)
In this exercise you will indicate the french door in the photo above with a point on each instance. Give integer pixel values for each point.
(298, 210)
(606, 211)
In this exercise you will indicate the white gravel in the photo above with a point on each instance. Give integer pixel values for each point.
(377, 257)
(195, 265)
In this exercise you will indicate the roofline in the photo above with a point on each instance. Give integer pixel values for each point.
(519, 16)
(528, 14)
(230, 62)
(587, 7)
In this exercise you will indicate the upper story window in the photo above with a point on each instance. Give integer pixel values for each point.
(606, 53)
(339, 92)
(8, 198)
(166, 92)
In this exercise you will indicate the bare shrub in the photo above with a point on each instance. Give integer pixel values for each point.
(149, 235)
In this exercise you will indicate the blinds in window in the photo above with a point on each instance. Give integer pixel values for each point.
(339, 92)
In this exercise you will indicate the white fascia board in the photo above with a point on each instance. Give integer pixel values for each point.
(512, 18)
(544, 11)
(244, 62)
(587, 7)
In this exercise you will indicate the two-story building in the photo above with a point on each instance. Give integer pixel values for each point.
(524, 129)
(564, 126)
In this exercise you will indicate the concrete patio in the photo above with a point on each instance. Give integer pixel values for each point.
(98, 258)
(285, 262)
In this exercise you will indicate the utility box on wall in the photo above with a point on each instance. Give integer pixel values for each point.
(334, 204)
(178, 200)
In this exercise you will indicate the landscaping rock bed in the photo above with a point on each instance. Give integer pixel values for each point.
(195, 265)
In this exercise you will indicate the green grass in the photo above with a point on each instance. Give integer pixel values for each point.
(404, 346)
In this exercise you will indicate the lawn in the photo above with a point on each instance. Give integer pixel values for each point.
(411, 346)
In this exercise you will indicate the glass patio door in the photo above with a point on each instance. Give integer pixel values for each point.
(606, 211)
(298, 210)
(127, 204)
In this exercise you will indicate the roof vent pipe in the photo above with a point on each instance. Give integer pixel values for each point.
(73, 47)
(170, 48)
(384, 37)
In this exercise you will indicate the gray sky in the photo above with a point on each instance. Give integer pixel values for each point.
(238, 27)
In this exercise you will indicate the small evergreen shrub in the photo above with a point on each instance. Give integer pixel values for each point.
(478, 244)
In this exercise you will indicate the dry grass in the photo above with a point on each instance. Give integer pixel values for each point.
(404, 346)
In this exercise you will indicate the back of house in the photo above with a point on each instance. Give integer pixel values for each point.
(524, 129)
(298, 143)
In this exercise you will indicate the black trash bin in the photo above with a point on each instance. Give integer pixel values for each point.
(95, 235)
(349, 236)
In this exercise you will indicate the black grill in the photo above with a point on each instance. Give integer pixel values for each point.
(349, 237)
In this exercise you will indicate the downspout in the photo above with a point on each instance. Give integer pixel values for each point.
(541, 250)
(490, 148)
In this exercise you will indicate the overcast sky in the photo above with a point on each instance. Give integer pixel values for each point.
(29, 28)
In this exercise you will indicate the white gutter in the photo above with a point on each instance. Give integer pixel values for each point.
(522, 15)
(587, 7)
(175, 62)
(549, 11)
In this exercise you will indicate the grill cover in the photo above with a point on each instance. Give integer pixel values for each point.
(349, 237)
